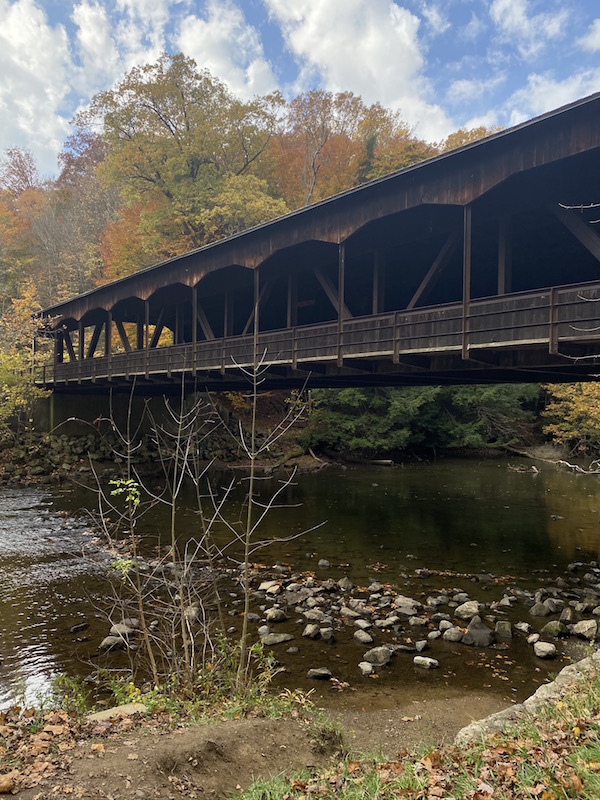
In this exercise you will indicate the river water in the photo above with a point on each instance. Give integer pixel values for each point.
(462, 518)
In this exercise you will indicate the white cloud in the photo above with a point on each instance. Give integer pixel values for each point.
(474, 28)
(470, 90)
(97, 51)
(437, 22)
(530, 33)
(370, 47)
(543, 93)
(34, 69)
(229, 47)
(591, 40)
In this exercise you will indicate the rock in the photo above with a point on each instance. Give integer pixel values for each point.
(311, 631)
(263, 631)
(349, 613)
(567, 616)
(362, 637)
(319, 674)
(406, 605)
(362, 624)
(388, 622)
(293, 650)
(7, 782)
(121, 629)
(544, 650)
(554, 605)
(433, 635)
(586, 629)
(375, 587)
(316, 615)
(345, 584)
(378, 656)
(467, 610)
(423, 644)
(503, 629)
(266, 585)
(118, 712)
(276, 638)
(323, 563)
(478, 634)
(444, 625)
(523, 627)
(460, 597)
(80, 626)
(425, 663)
(327, 634)
(452, 634)
(415, 622)
(112, 643)
(275, 614)
(539, 610)
(366, 668)
(554, 629)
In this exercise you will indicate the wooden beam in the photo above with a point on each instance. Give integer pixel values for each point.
(504, 255)
(262, 298)
(292, 300)
(576, 225)
(95, 339)
(435, 270)
(467, 246)
(158, 329)
(331, 293)
(123, 335)
(378, 283)
(81, 342)
(69, 343)
(108, 334)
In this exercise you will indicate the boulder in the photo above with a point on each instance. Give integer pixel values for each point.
(112, 643)
(275, 614)
(452, 634)
(366, 668)
(327, 634)
(362, 637)
(311, 631)
(478, 634)
(345, 584)
(467, 610)
(554, 629)
(425, 663)
(378, 656)
(503, 629)
(586, 629)
(544, 650)
(276, 638)
(319, 674)
(539, 610)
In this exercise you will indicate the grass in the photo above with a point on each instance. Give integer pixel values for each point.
(552, 755)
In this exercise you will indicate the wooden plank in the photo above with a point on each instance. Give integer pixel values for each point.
(331, 293)
(576, 225)
(123, 335)
(504, 255)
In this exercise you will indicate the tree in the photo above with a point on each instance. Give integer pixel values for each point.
(465, 136)
(175, 135)
(573, 416)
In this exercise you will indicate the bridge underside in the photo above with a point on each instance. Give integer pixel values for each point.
(483, 265)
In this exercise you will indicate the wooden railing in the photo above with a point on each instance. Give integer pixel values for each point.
(544, 318)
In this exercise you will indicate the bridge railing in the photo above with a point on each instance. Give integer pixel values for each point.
(542, 317)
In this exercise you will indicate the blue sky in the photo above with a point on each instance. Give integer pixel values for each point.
(444, 64)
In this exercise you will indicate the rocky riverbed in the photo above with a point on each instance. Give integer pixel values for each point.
(347, 634)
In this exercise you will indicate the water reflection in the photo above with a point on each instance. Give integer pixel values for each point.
(380, 523)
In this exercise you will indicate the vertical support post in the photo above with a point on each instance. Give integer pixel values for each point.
(256, 318)
(228, 315)
(59, 350)
(341, 300)
(80, 348)
(108, 341)
(292, 300)
(139, 335)
(504, 255)
(466, 280)
(553, 326)
(194, 326)
(378, 304)
(176, 338)
(147, 334)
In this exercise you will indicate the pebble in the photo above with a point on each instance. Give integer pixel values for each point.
(425, 663)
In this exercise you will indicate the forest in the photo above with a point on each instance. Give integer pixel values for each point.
(168, 161)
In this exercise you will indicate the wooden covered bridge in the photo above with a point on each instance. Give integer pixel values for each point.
(482, 264)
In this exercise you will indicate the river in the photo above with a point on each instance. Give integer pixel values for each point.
(459, 517)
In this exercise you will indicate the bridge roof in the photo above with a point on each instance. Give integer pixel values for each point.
(457, 177)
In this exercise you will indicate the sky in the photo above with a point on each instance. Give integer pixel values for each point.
(444, 64)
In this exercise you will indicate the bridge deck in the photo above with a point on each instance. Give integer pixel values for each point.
(552, 327)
